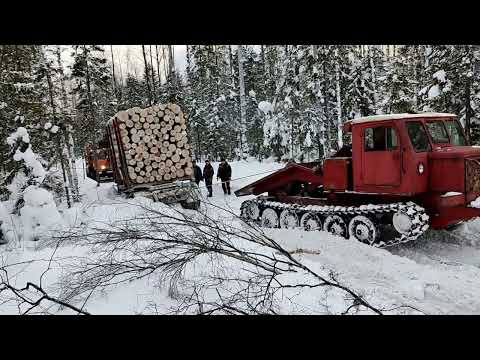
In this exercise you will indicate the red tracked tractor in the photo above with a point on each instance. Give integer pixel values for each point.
(402, 174)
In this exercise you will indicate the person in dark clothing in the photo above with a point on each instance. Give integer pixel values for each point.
(197, 172)
(208, 176)
(225, 173)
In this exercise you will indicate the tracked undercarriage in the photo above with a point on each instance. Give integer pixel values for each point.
(375, 225)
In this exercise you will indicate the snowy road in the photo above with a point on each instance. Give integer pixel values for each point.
(437, 274)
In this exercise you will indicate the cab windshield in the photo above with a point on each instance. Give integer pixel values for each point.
(438, 132)
(455, 131)
(418, 136)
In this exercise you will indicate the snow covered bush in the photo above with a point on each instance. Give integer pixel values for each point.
(39, 213)
(7, 226)
(29, 191)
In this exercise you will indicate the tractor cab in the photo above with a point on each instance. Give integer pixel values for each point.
(396, 154)
(406, 172)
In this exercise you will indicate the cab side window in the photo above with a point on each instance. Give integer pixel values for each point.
(382, 138)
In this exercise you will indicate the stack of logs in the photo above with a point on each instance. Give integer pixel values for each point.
(155, 143)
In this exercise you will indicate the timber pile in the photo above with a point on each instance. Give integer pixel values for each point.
(155, 143)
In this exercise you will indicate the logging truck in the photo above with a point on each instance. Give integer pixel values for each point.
(97, 161)
(151, 155)
(401, 174)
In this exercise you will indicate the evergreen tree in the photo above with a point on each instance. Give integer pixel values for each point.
(21, 102)
(92, 86)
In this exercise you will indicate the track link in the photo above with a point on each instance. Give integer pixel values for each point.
(381, 215)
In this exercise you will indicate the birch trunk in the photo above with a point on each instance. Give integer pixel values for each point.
(68, 133)
(339, 101)
(54, 115)
(242, 100)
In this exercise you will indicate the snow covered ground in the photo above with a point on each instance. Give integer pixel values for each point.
(438, 274)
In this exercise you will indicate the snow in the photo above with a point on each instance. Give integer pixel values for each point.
(22, 133)
(31, 162)
(475, 203)
(451, 193)
(54, 129)
(265, 107)
(47, 126)
(434, 92)
(308, 140)
(435, 275)
(440, 75)
(252, 93)
(3, 105)
(39, 215)
(7, 225)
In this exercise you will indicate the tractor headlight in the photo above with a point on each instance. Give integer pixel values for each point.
(421, 168)
(103, 167)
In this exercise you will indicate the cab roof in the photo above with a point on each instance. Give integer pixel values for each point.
(374, 118)
(399, 116)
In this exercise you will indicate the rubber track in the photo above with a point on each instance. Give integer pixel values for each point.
(416, 213)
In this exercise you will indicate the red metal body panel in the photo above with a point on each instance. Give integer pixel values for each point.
(447, 174)
(452, 215)
(335, 172)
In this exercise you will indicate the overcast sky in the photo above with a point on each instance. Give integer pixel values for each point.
(120, 52)
(136, 57)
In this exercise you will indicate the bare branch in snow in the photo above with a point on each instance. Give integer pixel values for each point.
(194, 252)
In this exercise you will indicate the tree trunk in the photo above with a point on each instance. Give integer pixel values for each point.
(149, 89)
(54, 115)
(165, 71)
(69, 143)
(113, 73)
(339, 101)
(158, 65)
(152, 76)
(171, 63)
(467, 110)
(242, 100)
(92, 112)
(374, 77)
(189, 61)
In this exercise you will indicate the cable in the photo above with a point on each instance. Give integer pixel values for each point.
(233, 180)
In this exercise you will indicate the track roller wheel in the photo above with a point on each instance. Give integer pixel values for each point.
(249, 210)
(310, 222)
(335, 225)
(288, 219)
(363, 229)
(402, 221)
(269, 218)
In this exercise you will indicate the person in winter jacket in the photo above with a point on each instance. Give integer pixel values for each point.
(225, 173)
(197, 172)
(208, 176)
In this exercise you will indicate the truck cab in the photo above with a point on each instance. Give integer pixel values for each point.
(98, 163)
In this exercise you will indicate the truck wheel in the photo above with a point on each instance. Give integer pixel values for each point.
(310, 222)
(335, 225)
(269, 218)
(288, 219)
(363, 229)
(249, 210)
